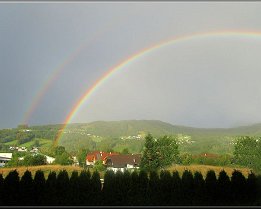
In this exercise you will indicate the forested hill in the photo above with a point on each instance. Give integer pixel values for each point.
(130, 134)
(158, 128)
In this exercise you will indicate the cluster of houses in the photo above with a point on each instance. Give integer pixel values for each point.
(23, 149)
(113, 160)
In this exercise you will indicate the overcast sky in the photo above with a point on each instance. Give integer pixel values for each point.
(204, 82)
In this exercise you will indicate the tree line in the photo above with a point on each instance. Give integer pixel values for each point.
(130, 188)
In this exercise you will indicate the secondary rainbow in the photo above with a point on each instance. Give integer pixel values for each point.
(62, 67)
(111, 71)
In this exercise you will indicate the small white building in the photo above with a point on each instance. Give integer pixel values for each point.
(4, 158)
(49, 159)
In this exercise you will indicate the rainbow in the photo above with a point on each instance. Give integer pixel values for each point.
(129, 60)
(61, 68)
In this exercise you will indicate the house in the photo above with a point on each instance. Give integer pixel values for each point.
(49, 159)
(34, 149)
(4, 158)
(22, 149)
(75, 161)
(122, 162)
(94, 156)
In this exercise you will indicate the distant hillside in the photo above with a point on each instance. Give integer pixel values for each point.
(158, 128)
(130, 134)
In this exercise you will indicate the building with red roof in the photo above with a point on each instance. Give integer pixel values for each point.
(94, 156)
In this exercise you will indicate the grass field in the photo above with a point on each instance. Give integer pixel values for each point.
(180, 168)
(204, 169)
(45, 168)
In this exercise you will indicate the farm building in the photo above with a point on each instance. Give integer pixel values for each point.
(122, 162)
(94, 156)
(4, 158)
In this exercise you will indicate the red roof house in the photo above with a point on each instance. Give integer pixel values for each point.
(92, 157)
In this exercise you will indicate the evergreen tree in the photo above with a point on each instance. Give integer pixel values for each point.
(118, 187)
(26, 189)
(223, 189)
(199, 184)
(74, 188)
(50, 192)
(1, 189)
(165, 187)
(39, 187)
(211, 187)
(95, 188)
(143, 187)
(84, 187)
(238, 188)
(11, 195)
(109, 188)
(187, 188)
(126, 185)
(62, 188)
(176, 195)
(134, 199)
(149, 158)
(251, 189)
(153, 188)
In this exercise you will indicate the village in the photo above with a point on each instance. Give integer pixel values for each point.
(110, 160)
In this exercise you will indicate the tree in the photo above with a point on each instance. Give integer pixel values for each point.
(39, 187)
(59, 150)
(36, 159)
(36, 143)
(125, 151)
(238, 187)
(153, 188)
(187, 188)
(247, 152)
(50, 196)
(109, 188)
(1, 188)
(63, 159)
(149, 158)
(143, 187)
(95, 188)
(84, 187)
(62, 188)
(26, 189)
(211, 187)
(98, 165)
(74, 188)
(223, 189)
(252, 188)
(159, 153)
(177, 192)
(81, 156)
(167, 151)
(165, 187)
(11, 186)
(199, 185)
(186, 158)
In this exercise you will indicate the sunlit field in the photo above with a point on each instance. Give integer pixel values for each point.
(205, 168)
(180, 168)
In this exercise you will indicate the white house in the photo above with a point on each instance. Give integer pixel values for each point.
(4, 158)
(49, 159)
(122, 162)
